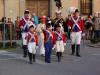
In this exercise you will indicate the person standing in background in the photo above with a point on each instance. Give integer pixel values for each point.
(10, 28)
(18, 32)
(89, 28)
(36, 20)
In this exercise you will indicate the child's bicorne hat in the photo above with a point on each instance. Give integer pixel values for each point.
(26, 12)
(31, 27)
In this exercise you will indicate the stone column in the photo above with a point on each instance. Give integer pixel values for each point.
(1, 9)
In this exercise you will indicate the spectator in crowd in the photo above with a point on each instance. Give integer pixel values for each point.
(36, 20)
(3, 20)
(10, 28)
(96, 26)
(17, 21)
(89, 27)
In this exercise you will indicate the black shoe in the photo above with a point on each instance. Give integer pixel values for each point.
(47, 62)
(59, 60)
(78, 55)
(42, 55)
(72, 54)
(30, 58)
(30, 62)
(24, 56)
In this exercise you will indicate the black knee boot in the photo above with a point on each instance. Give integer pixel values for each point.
(73, 49)
(59, 56)
(33, 57)
(24, 51)
(30, 58)
(77, 50)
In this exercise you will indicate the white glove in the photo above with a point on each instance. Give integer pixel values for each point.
(64, 44)
(83, 34)
(54, 47)
(69, 27)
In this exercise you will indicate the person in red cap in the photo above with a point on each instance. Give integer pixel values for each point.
(76, 27)
(44, 20)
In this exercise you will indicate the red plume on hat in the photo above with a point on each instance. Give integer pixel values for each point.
(43, 17)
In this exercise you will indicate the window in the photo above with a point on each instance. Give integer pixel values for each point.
(86, 7)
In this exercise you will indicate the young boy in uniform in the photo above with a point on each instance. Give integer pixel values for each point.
(48, 44)
(60, 40)
(32, 42)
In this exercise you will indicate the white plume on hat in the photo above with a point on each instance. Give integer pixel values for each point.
(71, 10)
(31, 24)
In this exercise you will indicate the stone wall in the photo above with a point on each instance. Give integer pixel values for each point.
(12, 8)
(96, 6)
(66, 4)
(16, 7)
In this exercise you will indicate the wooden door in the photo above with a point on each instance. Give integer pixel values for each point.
(40, 7)
(31, 5)
(43, 7)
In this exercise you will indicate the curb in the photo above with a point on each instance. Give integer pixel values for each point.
(94, 45)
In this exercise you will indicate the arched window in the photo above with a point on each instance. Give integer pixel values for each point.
(86, 7)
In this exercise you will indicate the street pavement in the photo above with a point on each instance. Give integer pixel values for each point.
(12, 63)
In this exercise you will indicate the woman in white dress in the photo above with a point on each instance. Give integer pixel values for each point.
(39, 30)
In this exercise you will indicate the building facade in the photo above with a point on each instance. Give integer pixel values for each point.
(13, 8)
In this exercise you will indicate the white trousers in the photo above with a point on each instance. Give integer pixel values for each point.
(24, 41)
(75, 37)
(41, 43)
(59, 46)
(32, 47)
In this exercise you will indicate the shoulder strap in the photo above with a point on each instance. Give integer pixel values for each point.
(32, 36)
(75, 22)
(50, 35)
(26, 22)
(59, 34)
